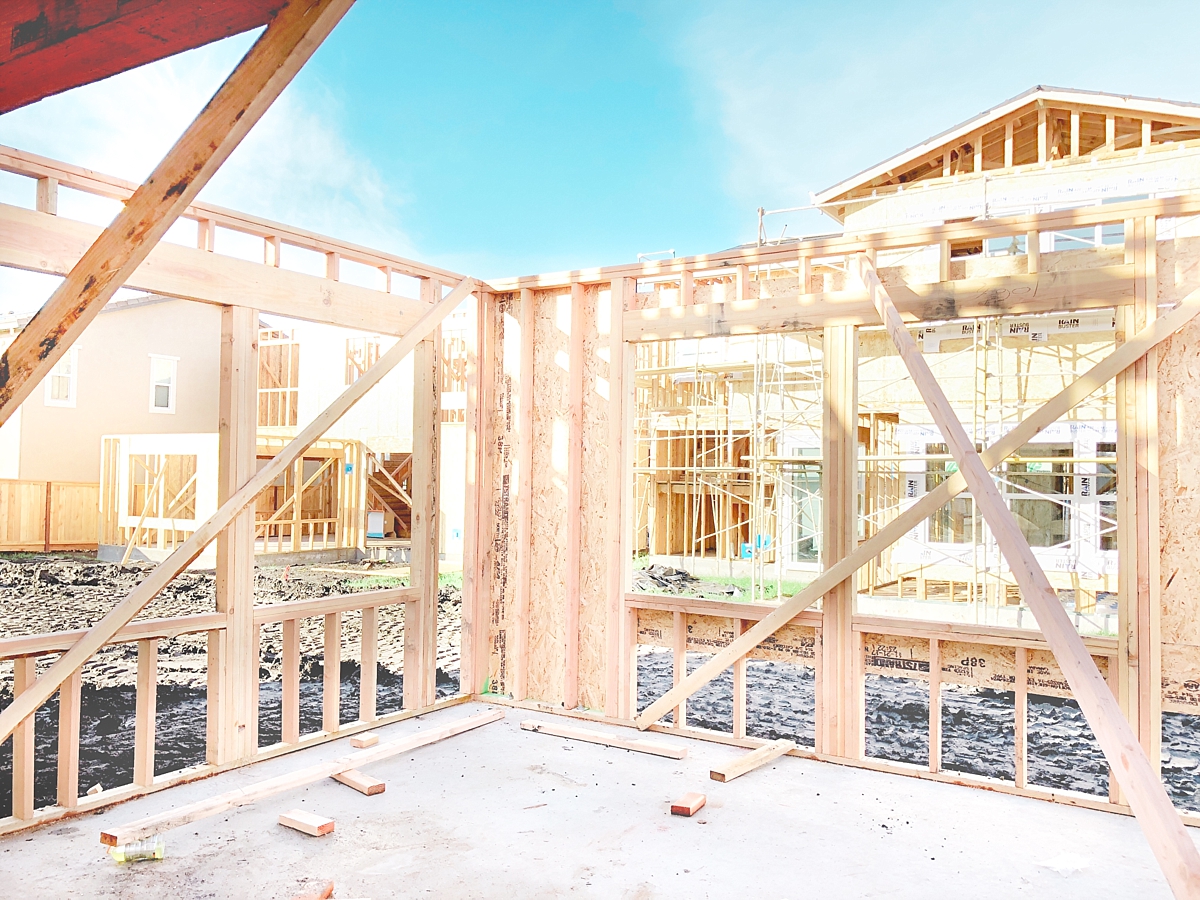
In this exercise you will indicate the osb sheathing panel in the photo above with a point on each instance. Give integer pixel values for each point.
(976, 665)
(548, 553)
(499, 417)
(1179, 483)
(593, 558)
(706, 634)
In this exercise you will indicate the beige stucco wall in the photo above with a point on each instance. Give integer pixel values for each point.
(113, 390)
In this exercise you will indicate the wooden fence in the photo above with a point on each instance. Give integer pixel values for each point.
(49, 515)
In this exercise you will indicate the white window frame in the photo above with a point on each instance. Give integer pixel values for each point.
(174, 363)
(72, 356)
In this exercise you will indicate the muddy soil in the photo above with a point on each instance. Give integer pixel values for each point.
(977, 725)
(39, 594)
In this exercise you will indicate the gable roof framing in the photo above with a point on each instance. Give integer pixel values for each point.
(932, 158)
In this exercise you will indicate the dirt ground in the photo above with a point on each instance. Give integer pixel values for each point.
(47, 593)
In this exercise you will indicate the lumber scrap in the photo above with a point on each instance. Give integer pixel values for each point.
(324, 894)
(608, 740)
(268, 67)
(364, 740)
(752, 760)
(1169, 841)
(1095, 378)
(689, 804)
(202, 809)
(309, 823)
(137, 599)
(364, 784)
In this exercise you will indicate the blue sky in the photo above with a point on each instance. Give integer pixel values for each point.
(503, 138)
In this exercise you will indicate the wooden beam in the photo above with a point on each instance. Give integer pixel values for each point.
(608, 740)
(739, 688)
(935, 705)
(1110, 133)
(1008, 145)
(1169, 841)
(46, 200)
(307, 822)
(574, 509)
(368, 666)
(1062, 402)
(522, 554)
(908, 236)
(617, 524)
(752, 760)
(202, 809)
(331, 688)
(474, 650)
(1042, 141)
(144, 715)
(1041, 292)
(679, 664)
(290, 688)
(69, 701)
(839, 447)
(269, 66)
(420, 614)
(364, 784)
(237, 429)
(104, 630)
(1074, 133)
(1021, 717)
(24, 749)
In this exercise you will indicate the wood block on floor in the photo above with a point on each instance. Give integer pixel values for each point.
(366, 739)
(752, 760)
(309, 823)
(364, 784)
(689, 804)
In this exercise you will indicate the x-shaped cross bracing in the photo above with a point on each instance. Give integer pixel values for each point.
(1169, 841)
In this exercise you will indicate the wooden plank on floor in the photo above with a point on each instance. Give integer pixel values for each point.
(364, 784)
(183, 815)
(309, 823)
(752, 760)
(608, 740)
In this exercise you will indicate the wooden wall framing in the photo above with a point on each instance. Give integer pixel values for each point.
(650, 301)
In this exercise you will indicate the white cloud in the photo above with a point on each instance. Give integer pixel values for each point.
(294, 166)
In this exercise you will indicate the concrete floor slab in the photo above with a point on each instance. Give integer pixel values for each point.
(500, 812)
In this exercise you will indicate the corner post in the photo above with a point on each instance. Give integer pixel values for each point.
(237, 428)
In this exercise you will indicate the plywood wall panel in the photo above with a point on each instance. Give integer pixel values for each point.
(551, 405)
(593, 558)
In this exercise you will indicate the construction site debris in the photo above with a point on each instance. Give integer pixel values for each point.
(689, 804)
(364, 784)
(752, 760)
(364, 740)
(149, 849)
(309, 823)
(596, 737)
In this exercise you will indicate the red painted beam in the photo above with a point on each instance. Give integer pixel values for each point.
(49, 46)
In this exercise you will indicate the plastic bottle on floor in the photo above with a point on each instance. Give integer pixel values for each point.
(150, 848)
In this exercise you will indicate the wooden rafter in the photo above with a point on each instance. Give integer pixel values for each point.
(288, 42)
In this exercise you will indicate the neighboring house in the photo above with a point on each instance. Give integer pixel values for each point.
(144, 366)
(728, 470)
(149, 366)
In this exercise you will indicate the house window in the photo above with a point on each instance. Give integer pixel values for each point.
(164, 372)
(63, 379)
(278, 378)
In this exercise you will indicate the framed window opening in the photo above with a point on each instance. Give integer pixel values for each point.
(62, 384)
